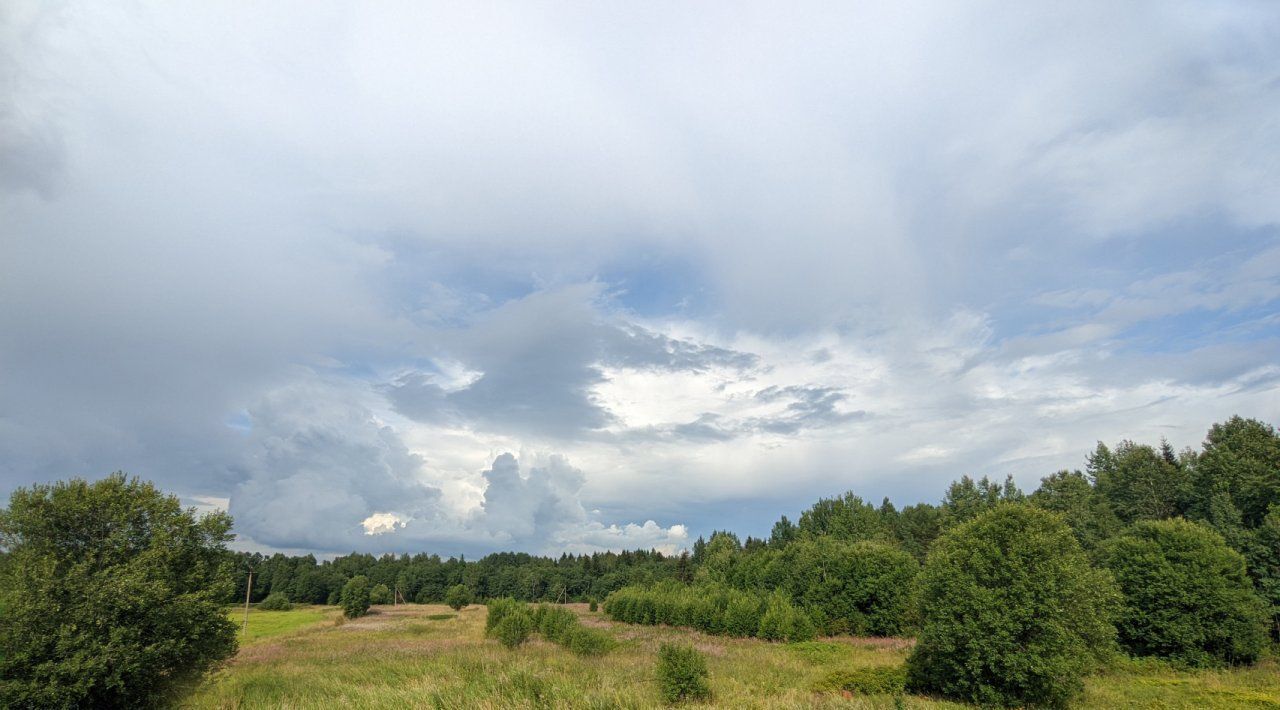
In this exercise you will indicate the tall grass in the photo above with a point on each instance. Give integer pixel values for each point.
(405, 660)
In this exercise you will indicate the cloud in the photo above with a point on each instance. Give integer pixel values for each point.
(331, 265)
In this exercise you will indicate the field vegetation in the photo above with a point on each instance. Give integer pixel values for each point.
(426, 656)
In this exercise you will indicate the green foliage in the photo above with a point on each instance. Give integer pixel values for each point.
(713, 609)
(514, 628)
(594, 605)
(498, 608)
(380, 594)
(587, 642)
(1186, 595)
(111, 595)
(458, 597)
(847, 518)
(783, 622)
(1264, 563)
(1071, 495)
(275, 601)
(355, 597)
(967, 498)
(867, 680)
(682, 673)
(1012, 612)
(556, 624)
(553, 622)
(1244, 455)
(1139, 482)
(860, 588)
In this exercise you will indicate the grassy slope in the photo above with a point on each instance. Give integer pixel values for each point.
(400, 658)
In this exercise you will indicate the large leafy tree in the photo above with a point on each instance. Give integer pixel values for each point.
(858, 587)
(111, 595)
(1241, 457)
(1186, 595)
(1139, 481)
(967, 498)
(1013, 613)
(1070, 494)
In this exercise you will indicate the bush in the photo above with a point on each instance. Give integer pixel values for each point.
(710, 608)
(1013, 614)
(587, 642)
(499, 608)
(111, 595)
(355, 597)
(553, 622)
(458, 597)
(380, 594)
(594, 606)
(682, 673)
(873, 680)
(783, 622)
(742, 615)
(514, 628)
(275, 601)
(1186, 595)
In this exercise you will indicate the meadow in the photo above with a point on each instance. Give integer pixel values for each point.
(430, 656)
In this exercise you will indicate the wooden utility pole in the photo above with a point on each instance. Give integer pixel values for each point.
(247, 589)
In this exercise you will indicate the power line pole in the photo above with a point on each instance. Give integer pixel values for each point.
(247, 589)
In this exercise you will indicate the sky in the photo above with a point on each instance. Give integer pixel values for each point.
(466, 277)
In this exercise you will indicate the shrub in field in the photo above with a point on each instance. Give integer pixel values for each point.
(1013, 614)
(498, 608)
(742, 615)
(553, 622)
(380, 594)
(514, 628)
(355, 597)
(458, 597)
(275, 601)
(1186, 595)
(682, 673)
(712, 609)
(872, 680)
(594, 605)
(110, 595)
(587, 642)
(783, 622)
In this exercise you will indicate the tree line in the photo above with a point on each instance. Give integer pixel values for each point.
(113, 595)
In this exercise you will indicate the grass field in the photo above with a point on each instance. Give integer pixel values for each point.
(427, 656)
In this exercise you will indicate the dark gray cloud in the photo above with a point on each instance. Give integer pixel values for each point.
(537, 359)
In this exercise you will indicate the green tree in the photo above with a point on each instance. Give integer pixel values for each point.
(380, 594)
(112, 595)
(458, 596)
(1264, 564)
(275, 601)
(682, 673)
(1244, 456)
(1013, 614)
(1186, 595)
(966, 498)
(355, 597)
(860, 587)
(1139, 482)
(1070, 494)
(847, 517)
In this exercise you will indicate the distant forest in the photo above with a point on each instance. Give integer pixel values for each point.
(1231, 484)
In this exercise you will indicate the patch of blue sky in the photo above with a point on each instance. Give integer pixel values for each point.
(655, 284)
